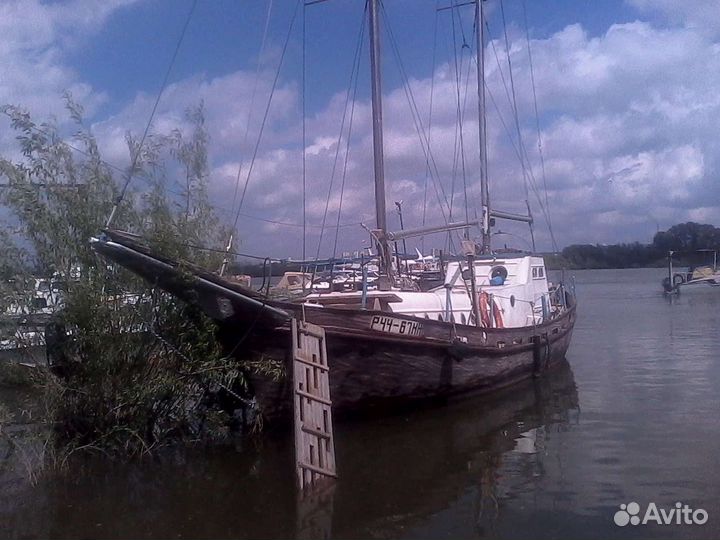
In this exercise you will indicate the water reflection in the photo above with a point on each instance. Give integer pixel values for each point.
(394, 473)
(522, 464)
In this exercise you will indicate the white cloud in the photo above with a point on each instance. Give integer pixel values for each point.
(700, 15)
(36, 37)
(628, 122)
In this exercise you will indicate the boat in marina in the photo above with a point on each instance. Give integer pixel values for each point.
(494, 320)
(695, 278)
(28, 310)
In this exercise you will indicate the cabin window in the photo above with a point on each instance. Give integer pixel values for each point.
(538, 272)
(462, 318)
(534, 272)
(440, 317)
(541, 272)
(427, 316)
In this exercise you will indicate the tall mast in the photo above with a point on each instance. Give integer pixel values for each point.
(484, 193)
(375, 71)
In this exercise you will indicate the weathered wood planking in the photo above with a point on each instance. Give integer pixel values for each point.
(366, 374)
(314, 445)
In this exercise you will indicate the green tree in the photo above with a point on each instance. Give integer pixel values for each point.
(139, 368)
(688, 237)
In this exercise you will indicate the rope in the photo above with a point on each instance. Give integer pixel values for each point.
(133, 164)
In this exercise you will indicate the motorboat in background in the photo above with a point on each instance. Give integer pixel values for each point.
(695, 278)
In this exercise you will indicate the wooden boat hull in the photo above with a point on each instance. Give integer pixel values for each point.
(371, 371)
(377, 359)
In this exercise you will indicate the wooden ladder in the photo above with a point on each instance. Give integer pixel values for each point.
(314, 443)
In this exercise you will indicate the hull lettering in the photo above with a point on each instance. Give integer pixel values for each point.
(392, 325)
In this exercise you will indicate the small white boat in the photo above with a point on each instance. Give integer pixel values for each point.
(694, 278)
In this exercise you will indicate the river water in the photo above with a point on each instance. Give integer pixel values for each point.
(632, 417)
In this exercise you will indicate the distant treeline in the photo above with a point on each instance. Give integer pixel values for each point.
(685, 239)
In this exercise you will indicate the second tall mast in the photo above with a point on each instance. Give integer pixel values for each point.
(375, 71)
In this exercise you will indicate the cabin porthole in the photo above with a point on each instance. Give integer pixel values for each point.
(498, 275)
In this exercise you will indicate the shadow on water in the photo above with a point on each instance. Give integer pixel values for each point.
(394, 473)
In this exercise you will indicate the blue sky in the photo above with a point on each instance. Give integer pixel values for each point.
(625, 90)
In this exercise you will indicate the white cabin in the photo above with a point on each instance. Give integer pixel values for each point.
(515, 287)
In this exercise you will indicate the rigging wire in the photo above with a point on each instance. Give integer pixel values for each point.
(136, 156)
(267, 111)
(417, 119)
(517, 123)
(459, 144)
(430, 118)
(537, 124)
(432, 94)
(520, 150)
(355, 67)
(458, 123)
(290, 224)
(514, 98)
(253, 95)
(460, 111)
(347, 151)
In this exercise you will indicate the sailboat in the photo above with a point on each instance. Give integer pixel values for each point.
(493, 322)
